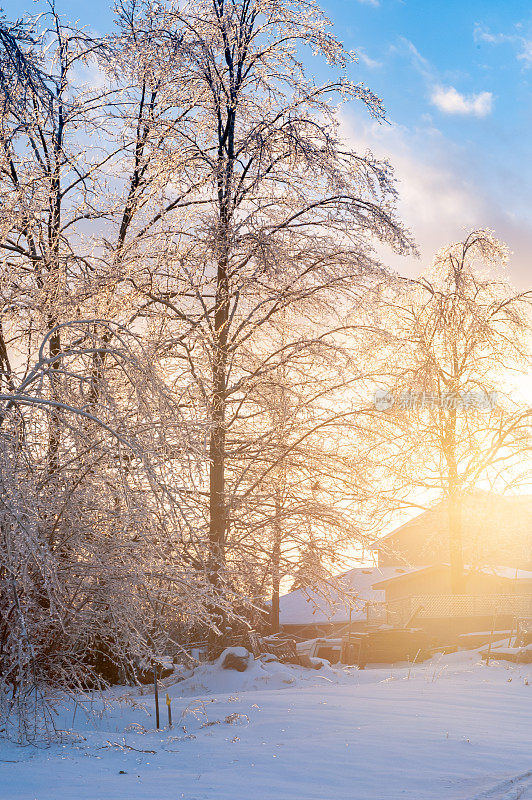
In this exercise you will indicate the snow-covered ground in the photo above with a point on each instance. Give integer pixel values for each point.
(451, 728)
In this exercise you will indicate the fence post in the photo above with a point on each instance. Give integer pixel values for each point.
(169, 704)
(156, 695)
(491, 640)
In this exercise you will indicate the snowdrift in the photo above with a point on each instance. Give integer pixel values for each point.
(260, 674)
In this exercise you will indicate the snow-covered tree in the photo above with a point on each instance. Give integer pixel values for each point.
(456, 341)
(281, 215)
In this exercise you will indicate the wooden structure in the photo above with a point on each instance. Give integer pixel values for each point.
(435, 581)
(448, 616)
(423, 598)
(411, 584)
(283, 649)
(386, 645)
(521, 650)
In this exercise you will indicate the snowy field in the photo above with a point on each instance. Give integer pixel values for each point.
(449, 729)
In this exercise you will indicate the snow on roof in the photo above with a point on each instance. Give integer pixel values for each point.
(510, 573)
(306, 606)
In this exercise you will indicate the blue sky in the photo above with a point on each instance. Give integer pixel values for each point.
(455, 78)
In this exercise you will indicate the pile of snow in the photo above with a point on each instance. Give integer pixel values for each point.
(261, 673)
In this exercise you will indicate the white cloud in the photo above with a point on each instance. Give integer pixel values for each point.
(482, 34)
(451, 101)
(446, 98)
(526, 52)
(435, 201)
(407, 48)
(371, 63)
(373, 3)
(441, 193)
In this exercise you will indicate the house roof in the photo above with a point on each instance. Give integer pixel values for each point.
(414, 522)
(473, 500)
(307, 606)
(496, 529)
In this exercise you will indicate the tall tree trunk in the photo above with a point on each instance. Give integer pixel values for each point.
(276, 566)
(454, 500)
(455, 542)
(54, 429)
(217, 500)
(54, 270)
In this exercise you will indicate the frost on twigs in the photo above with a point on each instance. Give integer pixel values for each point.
(183, 241)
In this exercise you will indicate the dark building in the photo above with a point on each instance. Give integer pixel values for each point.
(497, 554)
(496, 531)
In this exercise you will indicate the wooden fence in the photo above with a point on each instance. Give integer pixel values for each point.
(444, 606)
